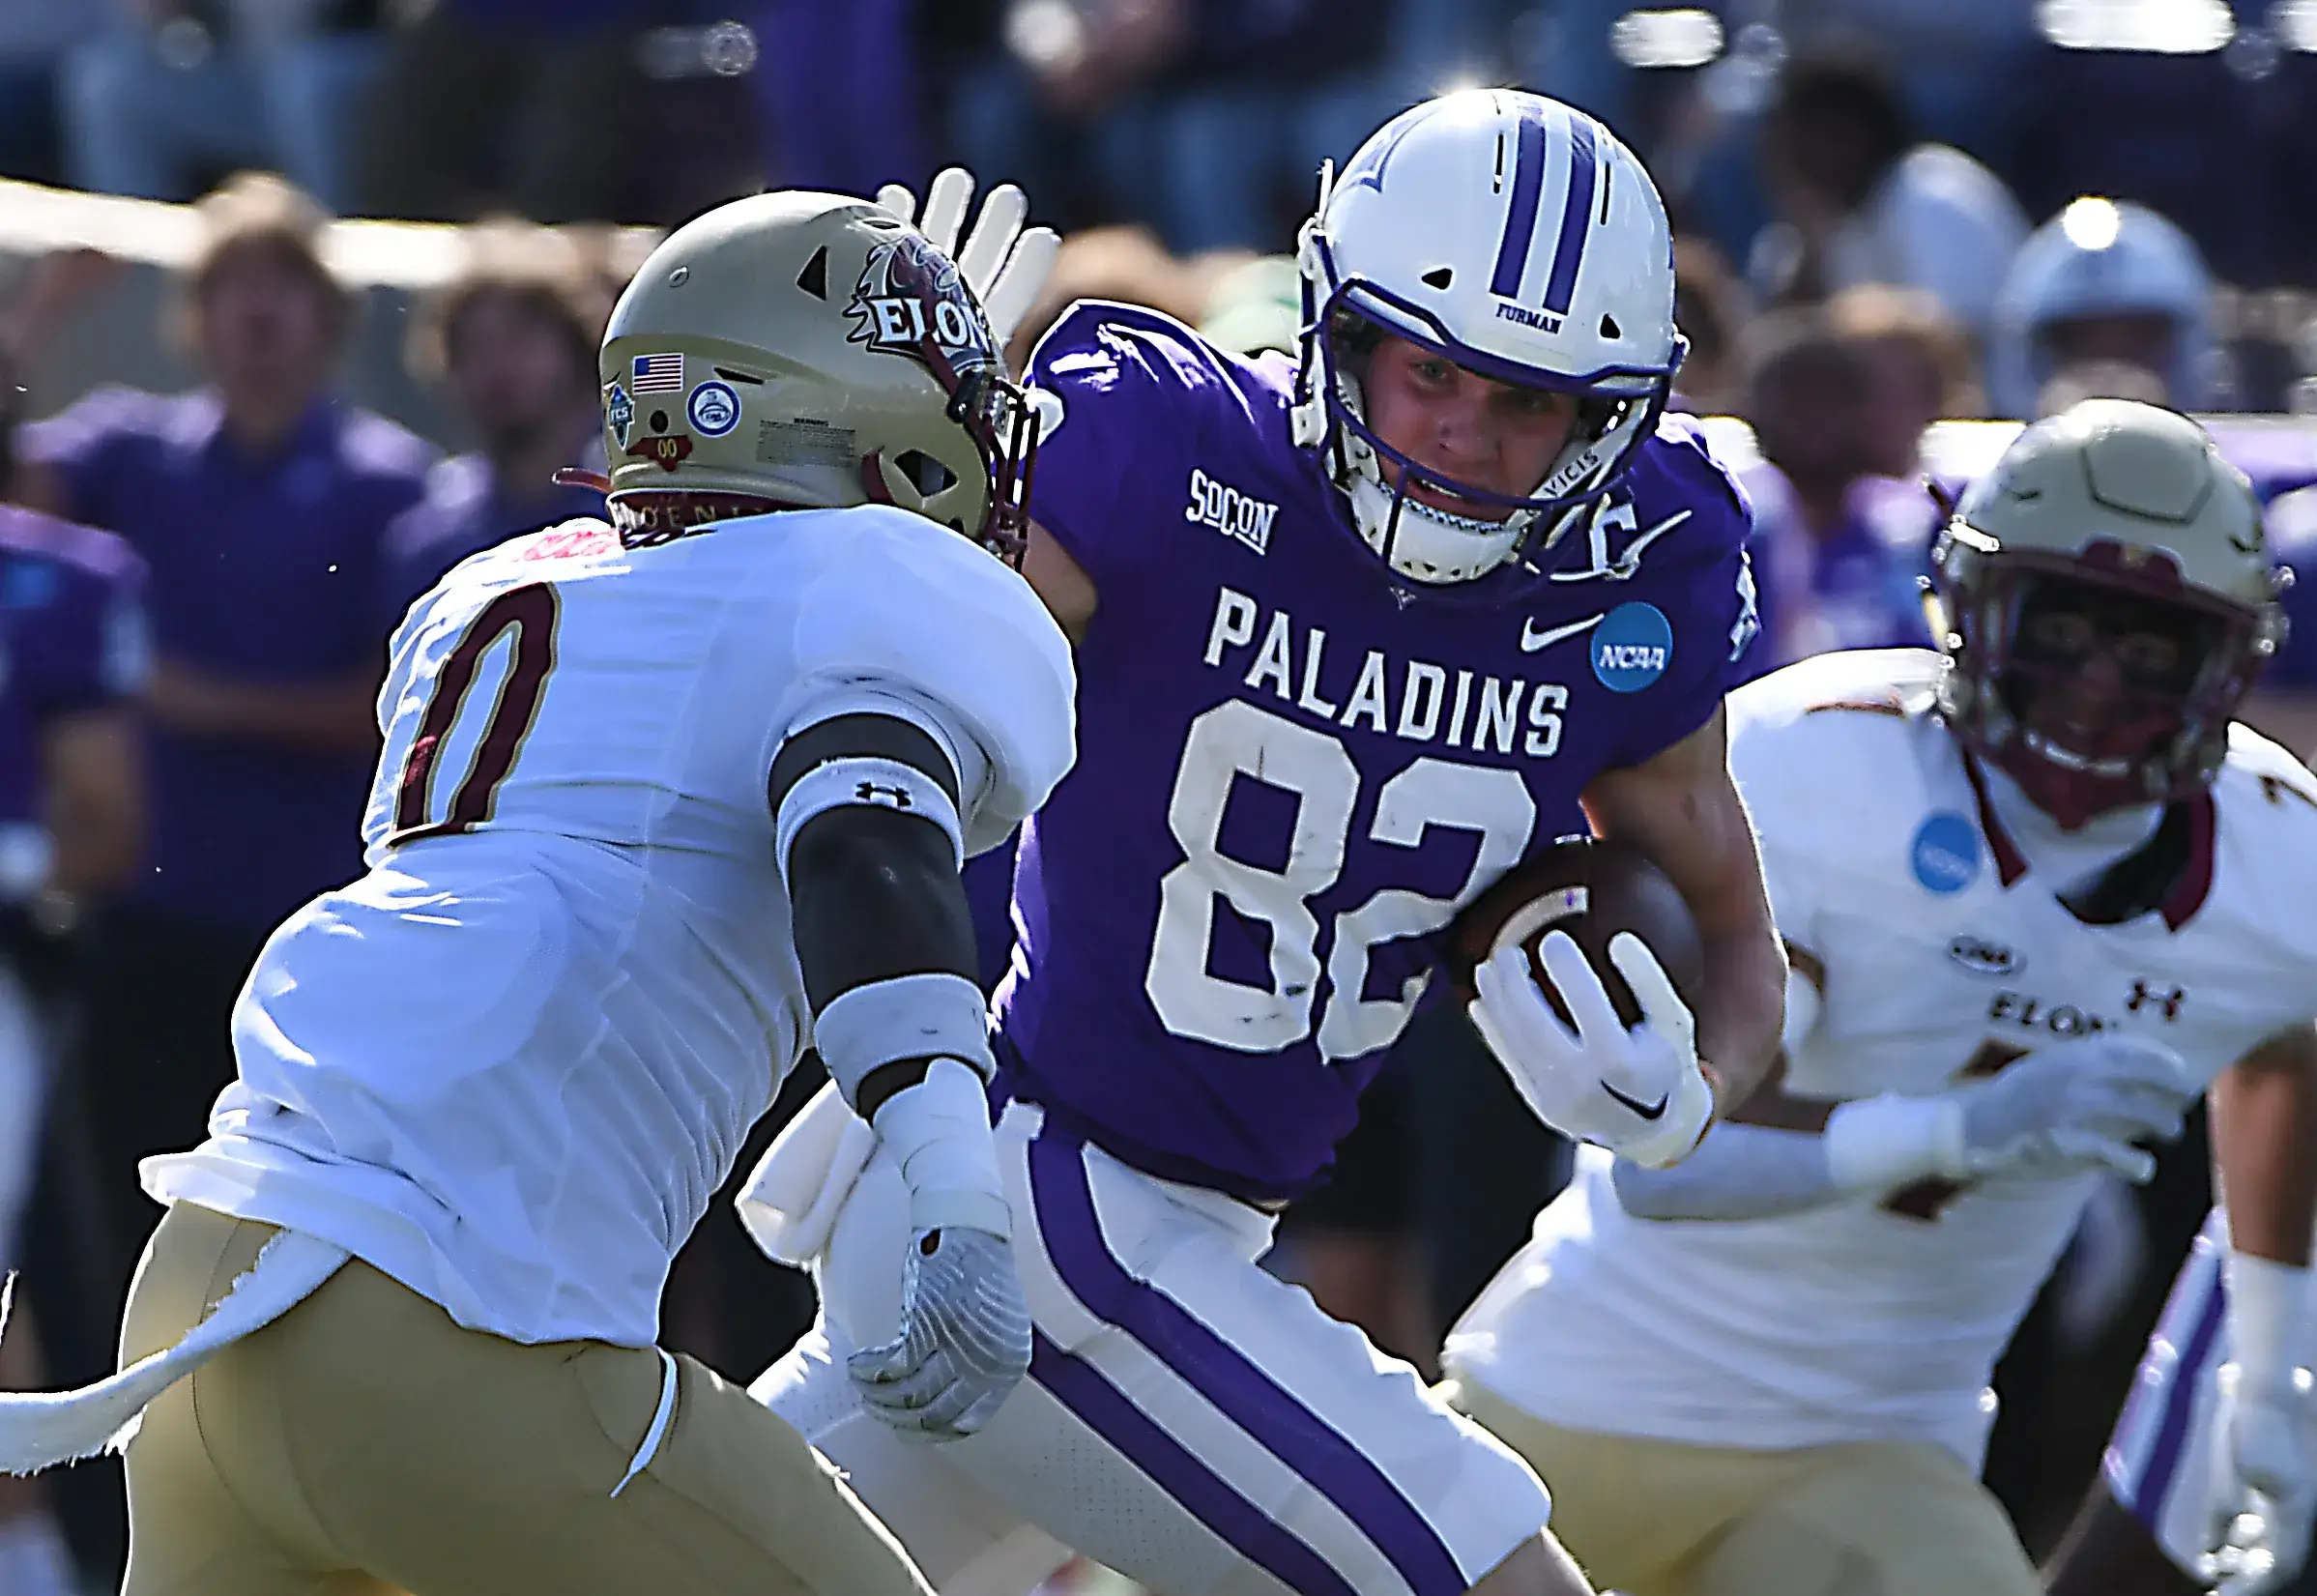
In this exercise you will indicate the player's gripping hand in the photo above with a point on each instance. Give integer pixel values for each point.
(1641, 1092)
(2074, 1106)
(2267, 1493)
(1004, 265)
(964, 1340)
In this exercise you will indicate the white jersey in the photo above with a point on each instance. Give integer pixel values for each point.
(511, 1065)
(1945, 956)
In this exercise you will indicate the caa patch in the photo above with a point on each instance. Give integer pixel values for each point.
(714, 408)
(1945, 853)
(1632, 646)
(619, 413)
(1983, 957)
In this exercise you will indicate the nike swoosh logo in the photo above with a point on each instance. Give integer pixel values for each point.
(1626, 566)
(1531, 639)
(1647, 1111)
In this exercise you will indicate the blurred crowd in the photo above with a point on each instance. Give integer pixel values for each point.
(1869, 262)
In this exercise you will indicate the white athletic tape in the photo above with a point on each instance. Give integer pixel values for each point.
(40, 1429)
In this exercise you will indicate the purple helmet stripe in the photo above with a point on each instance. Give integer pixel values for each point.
(1102, 1408)
(1577, 211)
(1529, 184)
(1238, 1388)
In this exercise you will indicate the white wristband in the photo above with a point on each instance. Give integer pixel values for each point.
(938, 1132)
(933, 1014)
(1878, 1142)
(2268, 1309)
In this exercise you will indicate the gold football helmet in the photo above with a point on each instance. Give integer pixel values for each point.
(811, 351)
(2124, 509)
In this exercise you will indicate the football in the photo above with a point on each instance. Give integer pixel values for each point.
(1591, 887)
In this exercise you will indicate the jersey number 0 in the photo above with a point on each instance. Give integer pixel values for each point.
(529, 614)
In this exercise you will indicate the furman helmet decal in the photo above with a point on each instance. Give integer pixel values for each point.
(910, 301)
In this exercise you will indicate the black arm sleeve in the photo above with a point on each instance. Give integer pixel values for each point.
(873, 893)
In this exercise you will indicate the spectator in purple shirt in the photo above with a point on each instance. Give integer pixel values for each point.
(1836, 546)
(71, 822)
(259, 503)
(512, 339)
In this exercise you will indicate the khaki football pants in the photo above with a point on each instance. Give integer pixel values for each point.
(362, 1443)
(1652, 1518)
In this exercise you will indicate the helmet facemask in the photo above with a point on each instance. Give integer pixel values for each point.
(2156, 668)
(954, 344)
(1606, 431)
(1343, 319)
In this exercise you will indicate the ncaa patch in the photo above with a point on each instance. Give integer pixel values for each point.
(1632, 646)
(1945, 853)
(619, 413)
(713, 410)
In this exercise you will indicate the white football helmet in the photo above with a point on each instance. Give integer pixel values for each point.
(1517, 237)
(2101, 257)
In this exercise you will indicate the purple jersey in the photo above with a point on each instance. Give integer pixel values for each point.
(72, 640)
(1293, 768)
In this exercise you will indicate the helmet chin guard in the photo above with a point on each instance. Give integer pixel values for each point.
(1424, 238)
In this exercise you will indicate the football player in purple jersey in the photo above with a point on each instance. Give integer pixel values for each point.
(1356, 635)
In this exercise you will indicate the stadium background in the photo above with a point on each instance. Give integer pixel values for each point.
(1843, 282)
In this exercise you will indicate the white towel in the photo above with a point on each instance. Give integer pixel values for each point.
(41, 1429)
(793, 1197)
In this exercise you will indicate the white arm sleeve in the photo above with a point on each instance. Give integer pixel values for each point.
(1870, 1147)
(1738, 1172)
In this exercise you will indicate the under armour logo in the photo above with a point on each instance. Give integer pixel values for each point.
(868, 792)
(2144, 996)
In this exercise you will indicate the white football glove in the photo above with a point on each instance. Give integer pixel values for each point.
(2267, 1492)
(2076, 1105)
(1641, 1092)
(964, 1343)
(1002, 263)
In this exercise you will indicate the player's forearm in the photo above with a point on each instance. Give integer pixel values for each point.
(1681, 808)
(1745, 1005)
(2264, 1116)
(96, 801)
(2264, 1134)
(329, 717)
(1869, 1148)
(1738, 1172)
